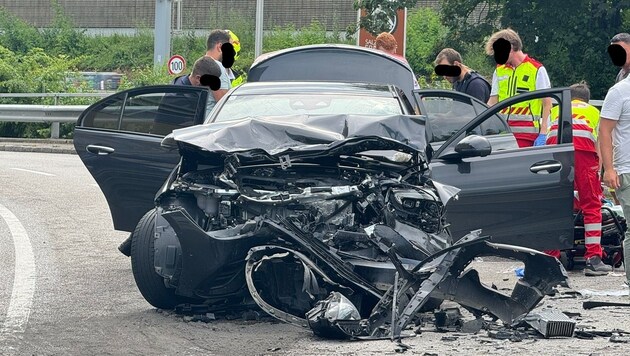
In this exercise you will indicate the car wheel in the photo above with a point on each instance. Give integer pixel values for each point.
(150, 284)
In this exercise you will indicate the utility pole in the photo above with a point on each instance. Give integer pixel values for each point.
(162, 41)
(259, 28)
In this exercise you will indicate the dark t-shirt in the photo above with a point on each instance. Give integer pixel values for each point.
(474, 85)
(181, 80)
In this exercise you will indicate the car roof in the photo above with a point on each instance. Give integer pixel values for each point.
(319, 87)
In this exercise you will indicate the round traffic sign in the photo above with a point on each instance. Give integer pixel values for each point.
(176, 64)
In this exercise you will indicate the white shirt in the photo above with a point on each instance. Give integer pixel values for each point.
(617, 107)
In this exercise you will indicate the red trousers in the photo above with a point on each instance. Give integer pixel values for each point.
(589, 190)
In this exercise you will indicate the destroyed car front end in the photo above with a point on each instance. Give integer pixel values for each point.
(326, 222)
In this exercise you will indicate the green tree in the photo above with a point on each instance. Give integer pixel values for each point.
(378, 14)
(570, 38)
(425, 36)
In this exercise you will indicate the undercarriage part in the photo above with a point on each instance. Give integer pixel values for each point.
(551, 323)
(448, 319)
(311, 291)
(448, 279)
(590, 304)
(336, 317)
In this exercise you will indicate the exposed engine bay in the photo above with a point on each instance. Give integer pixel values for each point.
(348, 238)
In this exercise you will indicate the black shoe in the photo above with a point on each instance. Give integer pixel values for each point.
(595, 267)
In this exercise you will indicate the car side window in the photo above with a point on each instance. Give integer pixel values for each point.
(446, 116)
(157, 113)
(495, 125)
(140, 112)
(105, 116)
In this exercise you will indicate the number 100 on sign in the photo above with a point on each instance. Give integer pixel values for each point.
(176, 64)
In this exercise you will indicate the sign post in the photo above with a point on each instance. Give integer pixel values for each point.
(398, 28)
(176, 64)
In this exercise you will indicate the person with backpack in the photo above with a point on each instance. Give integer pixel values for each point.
(464, 79)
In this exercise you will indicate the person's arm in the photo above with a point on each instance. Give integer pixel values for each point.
(543, 82)
(546, 111)
(494, 92)
(606, 126)
(610, 114)
(225, 83)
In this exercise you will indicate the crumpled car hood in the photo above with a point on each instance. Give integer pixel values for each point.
(277, 134)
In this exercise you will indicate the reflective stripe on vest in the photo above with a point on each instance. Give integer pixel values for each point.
(522, 117)
(585, 119)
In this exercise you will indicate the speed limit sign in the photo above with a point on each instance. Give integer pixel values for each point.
(176, 64)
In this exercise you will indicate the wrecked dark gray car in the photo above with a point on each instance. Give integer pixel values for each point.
(327, 222)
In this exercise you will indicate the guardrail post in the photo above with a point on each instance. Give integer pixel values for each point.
(54, 127)
(54, 130)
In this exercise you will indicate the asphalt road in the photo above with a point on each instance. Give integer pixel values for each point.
(66, 290)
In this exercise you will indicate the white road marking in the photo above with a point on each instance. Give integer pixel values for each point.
(24, 276)
(36, 172)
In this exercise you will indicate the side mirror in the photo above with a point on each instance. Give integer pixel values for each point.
(473, 146)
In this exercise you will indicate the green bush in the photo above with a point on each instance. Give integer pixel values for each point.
(425, 38)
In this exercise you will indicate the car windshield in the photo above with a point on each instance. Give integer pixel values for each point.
(240, 106)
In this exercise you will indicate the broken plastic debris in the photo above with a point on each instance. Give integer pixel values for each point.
(601, 293)
(340, 308)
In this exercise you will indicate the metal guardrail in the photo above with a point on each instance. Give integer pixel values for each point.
(55, 114)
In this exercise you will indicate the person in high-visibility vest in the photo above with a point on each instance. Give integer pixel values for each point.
(236, 77)
(520, 73)
(586, 182)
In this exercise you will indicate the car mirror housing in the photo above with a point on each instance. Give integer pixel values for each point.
(474, 146)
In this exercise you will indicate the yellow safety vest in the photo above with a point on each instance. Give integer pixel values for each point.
(523, 117)
(585, 122)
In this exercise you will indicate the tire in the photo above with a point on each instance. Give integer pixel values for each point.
(150, 284)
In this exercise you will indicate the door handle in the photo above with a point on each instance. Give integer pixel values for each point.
(99, 150)
(545, 167)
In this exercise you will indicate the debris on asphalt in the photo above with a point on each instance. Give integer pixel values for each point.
(551, 323)
(590, 304)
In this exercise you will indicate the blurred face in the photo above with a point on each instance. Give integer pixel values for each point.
(220, 51)
(449, 79)
(625, 46)
(195, 80)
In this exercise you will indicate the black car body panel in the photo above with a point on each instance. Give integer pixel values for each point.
(520, 196)
(333, 62)
(317, 207)
(118, 139)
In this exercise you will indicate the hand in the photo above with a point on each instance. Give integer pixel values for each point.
(540, 140)
(611, 179)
